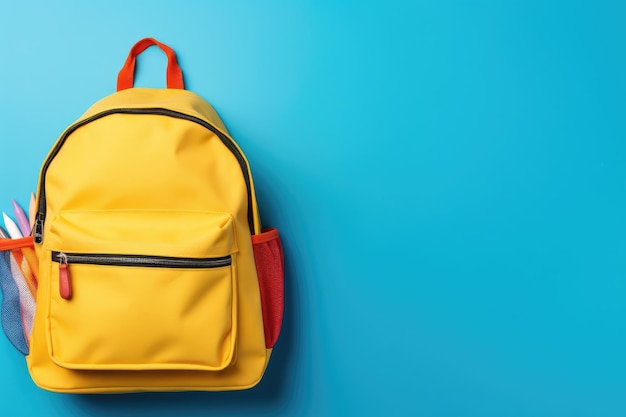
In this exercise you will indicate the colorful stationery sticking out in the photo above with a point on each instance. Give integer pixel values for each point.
(24, 224)
(22, 220)
(11, 227)
(18, 282)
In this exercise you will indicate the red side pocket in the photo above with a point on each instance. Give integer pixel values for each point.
(268, 255)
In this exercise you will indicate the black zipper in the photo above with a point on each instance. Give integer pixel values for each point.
(140, 260)
(41, 210)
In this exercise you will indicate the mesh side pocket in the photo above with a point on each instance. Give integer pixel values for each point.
(18, 282)
(268, 256)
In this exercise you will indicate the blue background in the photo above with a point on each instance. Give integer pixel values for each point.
(449, 178)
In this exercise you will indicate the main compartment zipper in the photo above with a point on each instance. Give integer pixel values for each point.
(41, 209)
(143, 261)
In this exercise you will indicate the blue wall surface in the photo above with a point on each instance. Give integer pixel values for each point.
(449, 178)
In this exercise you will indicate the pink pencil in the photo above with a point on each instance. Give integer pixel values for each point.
(22, 220)
(31, 210)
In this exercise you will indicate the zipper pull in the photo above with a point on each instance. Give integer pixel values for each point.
(65, 283)
(38, 232)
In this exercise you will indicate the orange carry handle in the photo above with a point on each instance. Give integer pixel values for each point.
(126, 77)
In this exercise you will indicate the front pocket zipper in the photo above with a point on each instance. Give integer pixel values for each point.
(144, 261)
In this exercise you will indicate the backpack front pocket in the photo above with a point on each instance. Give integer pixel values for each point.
(137, 303)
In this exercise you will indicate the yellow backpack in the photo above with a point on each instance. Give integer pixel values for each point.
(154, 271)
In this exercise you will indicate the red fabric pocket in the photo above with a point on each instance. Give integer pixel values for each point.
(268, 256)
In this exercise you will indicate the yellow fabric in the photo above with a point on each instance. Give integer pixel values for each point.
(179, 192)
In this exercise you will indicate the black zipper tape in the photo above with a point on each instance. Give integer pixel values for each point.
(41, 209)
(144, 261)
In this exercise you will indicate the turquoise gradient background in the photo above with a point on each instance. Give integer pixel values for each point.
(449, 178)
